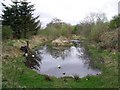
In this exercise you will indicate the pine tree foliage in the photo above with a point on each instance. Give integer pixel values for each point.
(19, 16)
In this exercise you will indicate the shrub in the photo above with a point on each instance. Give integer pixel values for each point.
(109, 39)
(55, 30)
(115, 22)
(97, 30)
(7, 32)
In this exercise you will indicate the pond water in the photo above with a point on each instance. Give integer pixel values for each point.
(64, 62)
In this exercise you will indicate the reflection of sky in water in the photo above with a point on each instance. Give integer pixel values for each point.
(72, 62)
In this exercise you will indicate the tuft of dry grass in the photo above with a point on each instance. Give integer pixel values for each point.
(37, 40)
(47, 78)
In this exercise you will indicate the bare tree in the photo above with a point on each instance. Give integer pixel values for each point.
(94, 18)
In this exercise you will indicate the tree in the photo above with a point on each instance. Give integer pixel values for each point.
(7, 15)
(94, 18)
(11, 18)
(26, 16)
(19, 16)
(92, 26)
(115, 22)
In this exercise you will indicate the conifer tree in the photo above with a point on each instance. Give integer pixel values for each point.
(19, 16)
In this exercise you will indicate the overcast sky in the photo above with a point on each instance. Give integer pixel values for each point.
(71, 11)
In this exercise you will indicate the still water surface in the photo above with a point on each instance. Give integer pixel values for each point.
(70, 61)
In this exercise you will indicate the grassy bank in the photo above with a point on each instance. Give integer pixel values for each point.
(17, 75)
(107, 62)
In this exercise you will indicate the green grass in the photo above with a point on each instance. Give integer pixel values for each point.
(107, 62)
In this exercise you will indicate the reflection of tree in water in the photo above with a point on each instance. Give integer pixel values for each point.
(62, 51)
(32, 60)
(88, 60)
(65, 51)
(56, 52)
(84, 56)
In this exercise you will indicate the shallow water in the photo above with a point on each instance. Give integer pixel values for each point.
(72, 60)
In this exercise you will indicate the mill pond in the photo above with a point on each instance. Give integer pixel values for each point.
(65, 62)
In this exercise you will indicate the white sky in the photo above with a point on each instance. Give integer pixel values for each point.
(71, 11)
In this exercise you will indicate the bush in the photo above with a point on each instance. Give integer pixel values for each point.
(55, 30)
(97, 30)
(7, 32)
(115, 22)
(109, 39)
